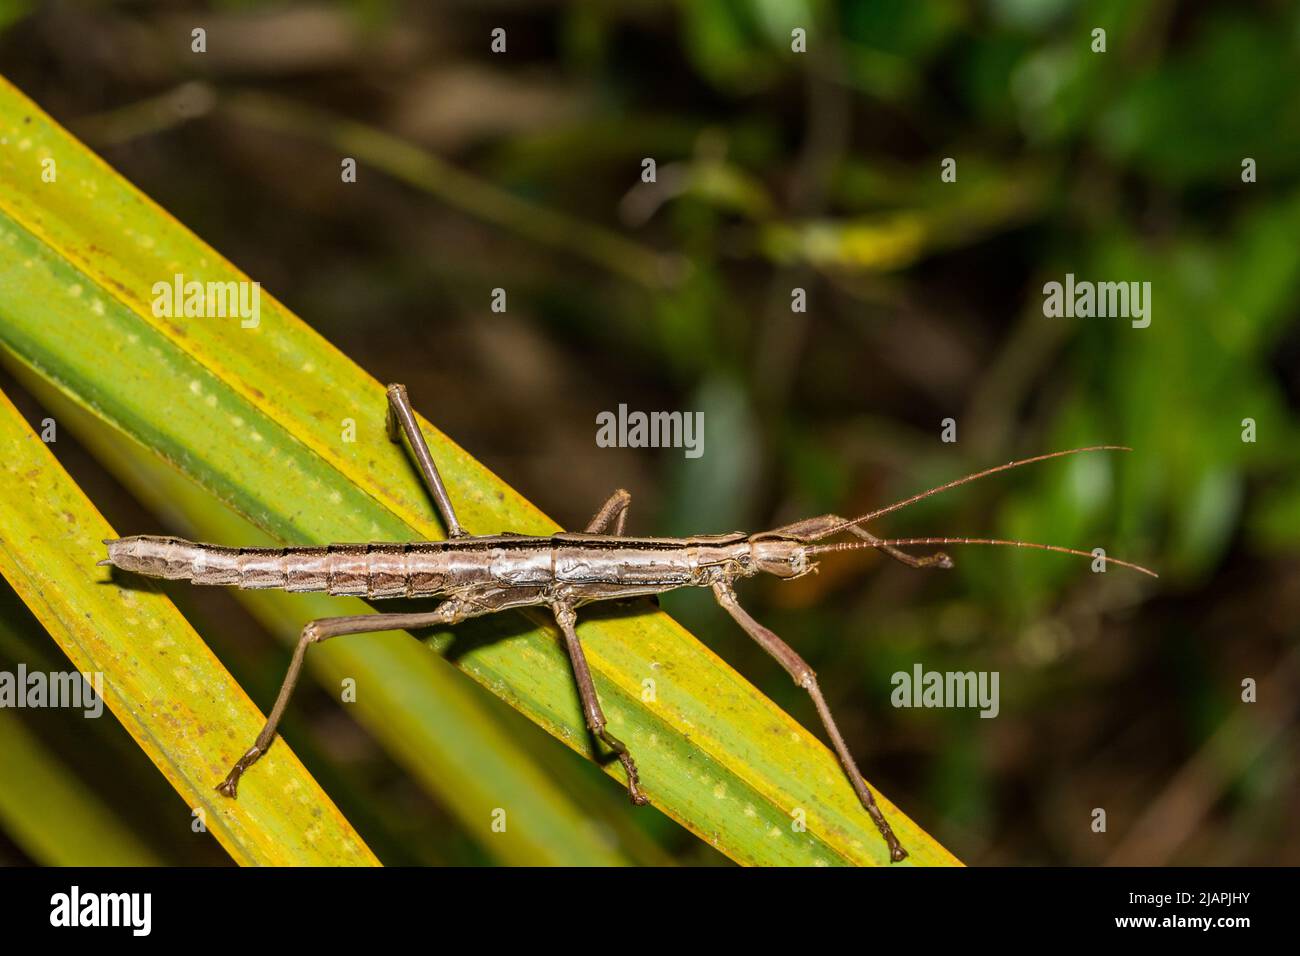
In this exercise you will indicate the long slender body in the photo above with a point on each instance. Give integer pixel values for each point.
(475, 575)
(580, 563)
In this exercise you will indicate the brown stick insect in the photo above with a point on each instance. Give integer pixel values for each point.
(482, 574)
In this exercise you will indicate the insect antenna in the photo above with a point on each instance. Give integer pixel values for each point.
(903, 542)
(897, 505)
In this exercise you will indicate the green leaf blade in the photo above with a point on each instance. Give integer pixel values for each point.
(160, 680)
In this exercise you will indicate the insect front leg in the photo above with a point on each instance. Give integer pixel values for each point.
(803, 676)
(567, 620)
(449, 612)
(401, 421)
(612, 513)
(812, 528)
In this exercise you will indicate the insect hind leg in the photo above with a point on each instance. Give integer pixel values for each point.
(401, 421)
(449, 612)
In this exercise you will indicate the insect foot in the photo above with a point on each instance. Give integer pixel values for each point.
(230, 786)
(896, 852)
(625, 757)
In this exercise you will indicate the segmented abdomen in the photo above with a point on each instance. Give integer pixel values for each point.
(364, 570)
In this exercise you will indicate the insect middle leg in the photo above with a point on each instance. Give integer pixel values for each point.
(449, 612)
(567, 619)
(803, 676)
(401, 421)
(612, 514)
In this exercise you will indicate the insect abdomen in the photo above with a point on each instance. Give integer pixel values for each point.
(363, 570)
(379, 570)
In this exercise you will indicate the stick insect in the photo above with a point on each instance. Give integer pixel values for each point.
(481, 574)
